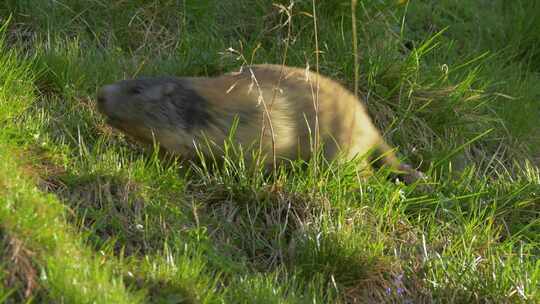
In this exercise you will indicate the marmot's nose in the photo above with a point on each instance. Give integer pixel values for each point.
(101, 97)
(101, 101)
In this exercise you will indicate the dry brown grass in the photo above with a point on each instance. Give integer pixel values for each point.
(20, 270)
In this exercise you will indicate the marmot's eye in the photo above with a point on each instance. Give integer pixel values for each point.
(136, 90)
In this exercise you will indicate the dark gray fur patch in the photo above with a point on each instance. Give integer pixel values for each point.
(184, 107)
(189, 106)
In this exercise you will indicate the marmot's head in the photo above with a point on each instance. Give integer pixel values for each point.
(152, 108)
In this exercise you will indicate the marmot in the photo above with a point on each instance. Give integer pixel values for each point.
(178, 113)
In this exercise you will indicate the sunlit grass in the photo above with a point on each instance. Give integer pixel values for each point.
(86, 215)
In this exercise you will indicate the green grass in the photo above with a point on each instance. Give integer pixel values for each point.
(88, 216)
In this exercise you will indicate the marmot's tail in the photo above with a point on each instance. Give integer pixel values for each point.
(384, 155)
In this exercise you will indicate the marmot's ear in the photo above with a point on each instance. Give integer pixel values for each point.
(168, 88)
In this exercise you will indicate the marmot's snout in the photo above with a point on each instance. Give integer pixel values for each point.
(105, 97)
(100, 101)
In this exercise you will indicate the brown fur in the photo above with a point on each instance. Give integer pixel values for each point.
(156, 108)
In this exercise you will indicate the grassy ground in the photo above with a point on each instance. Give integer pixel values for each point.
(87, 216)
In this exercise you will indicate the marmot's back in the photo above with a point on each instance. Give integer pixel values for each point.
(342, 120)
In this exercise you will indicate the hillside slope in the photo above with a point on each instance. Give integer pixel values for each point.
(87, 216)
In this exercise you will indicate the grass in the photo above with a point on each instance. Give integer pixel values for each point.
(87, 216)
